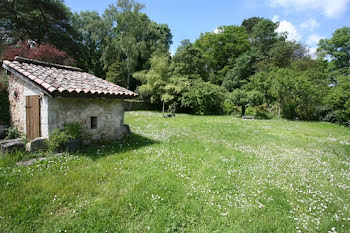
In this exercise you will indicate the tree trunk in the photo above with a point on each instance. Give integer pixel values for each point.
(128, 81)
(243, 110)
(279, 109)
(163, 108)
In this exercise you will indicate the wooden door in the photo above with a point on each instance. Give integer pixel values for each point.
(33, 116)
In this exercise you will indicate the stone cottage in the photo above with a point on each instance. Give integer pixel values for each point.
(45, 96)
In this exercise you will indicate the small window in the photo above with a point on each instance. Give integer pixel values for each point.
(93, 122)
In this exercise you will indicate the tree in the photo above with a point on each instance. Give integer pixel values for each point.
(249, 24)
(299, 93)
(91, 33)
(40, 21)
(239, 75)
(284, 53)
(222, 48)
(154, 81)
(43, 52)
(189, 61)
(244, 98)
(338, 101)
(132, 37)
(203, 98)
(337, 49)
(116, 74)
(264, 35)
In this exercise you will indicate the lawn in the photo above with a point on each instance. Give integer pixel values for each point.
(188, 174)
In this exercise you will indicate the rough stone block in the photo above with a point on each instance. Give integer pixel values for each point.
(37, 145)
(8, 146)
(73, 145)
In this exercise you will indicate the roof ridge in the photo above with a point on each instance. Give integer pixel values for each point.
(47, 64)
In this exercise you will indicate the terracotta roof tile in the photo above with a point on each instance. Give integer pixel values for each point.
(57, 78)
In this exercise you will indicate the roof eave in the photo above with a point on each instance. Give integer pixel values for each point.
(66, 94)
(25, 79)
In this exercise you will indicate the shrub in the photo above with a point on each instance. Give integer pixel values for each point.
(59, 137)
(229, 107)
(57, 140)
(263, 112)
(338, 102)
(12, 133)
(73, 130)
(203, 98)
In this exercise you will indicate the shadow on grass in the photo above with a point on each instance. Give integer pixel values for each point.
(103, 149)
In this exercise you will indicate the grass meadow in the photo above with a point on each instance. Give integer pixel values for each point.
(188, 174)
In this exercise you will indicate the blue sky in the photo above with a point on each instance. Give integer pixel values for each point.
(305, 20)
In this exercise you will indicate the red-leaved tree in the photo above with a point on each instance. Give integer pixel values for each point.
(43, 52)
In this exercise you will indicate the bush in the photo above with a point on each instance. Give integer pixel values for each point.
(59, 138)
(230, 108)
(12, 133)
(338, 102)
(262, 112)
(203, 98)
(73, 130)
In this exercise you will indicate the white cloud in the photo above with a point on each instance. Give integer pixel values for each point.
(330, 8)
(218, 30)
(275, 18)
(314, 39)
(286, 26)
(310, 24)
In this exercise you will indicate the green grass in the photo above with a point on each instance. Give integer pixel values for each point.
(188, 174)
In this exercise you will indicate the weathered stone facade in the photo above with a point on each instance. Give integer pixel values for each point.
(56, 112)
(18, 90)
(64, 94)
(109, 114)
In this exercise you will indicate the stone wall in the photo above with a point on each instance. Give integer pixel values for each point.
(18, 103)
(109, 113)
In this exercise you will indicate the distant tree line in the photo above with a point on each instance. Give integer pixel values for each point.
(246, 69)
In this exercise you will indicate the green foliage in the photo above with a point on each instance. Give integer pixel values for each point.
(264, 35)
(245, 98)
(248, 66)
(91, 38)
(239, 75)
(284, 53)
(127, 39)
(222, 48)
(154, 81)
(116, 74)
(59, 137)
(250, 23)
(263, 112)
(57, 140)
(12, 133)
(73, 130)
(189, 61)
(299, 93)
(338, 102)
(203, 97)
(338, 50)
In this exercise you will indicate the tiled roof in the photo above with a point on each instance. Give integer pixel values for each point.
(61, 80)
